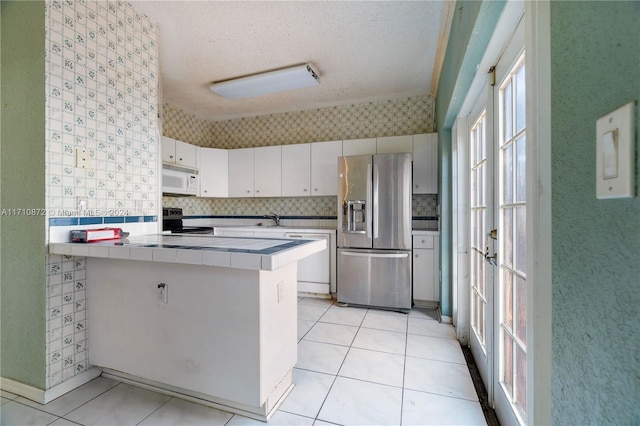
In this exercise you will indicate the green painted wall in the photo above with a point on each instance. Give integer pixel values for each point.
(471, 29)
(595, 68)
(22, 186)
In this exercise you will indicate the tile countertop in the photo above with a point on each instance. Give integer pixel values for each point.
(228, 252)
(279, 228)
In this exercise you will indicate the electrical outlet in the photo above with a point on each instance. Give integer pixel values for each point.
(84, 160)
(81, 203)
(163, 293)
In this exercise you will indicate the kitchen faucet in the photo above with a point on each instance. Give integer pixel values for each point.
(274, 217)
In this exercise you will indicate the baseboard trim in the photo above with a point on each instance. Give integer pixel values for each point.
(263, 413)
(44, 396)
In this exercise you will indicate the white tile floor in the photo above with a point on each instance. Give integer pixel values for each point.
(355, 367)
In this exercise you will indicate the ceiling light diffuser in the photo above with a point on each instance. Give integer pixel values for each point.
(295, 77)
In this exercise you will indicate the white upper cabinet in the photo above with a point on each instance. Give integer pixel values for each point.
(394, 144)
(179, 153)
(425, 163)
(241, 172)
(186, 154)
(296, 165)
(267, 171)
(324, 167)
(359, 146)
(168, 150)
(213, 165)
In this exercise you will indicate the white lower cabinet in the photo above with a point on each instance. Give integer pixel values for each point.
(426, 283)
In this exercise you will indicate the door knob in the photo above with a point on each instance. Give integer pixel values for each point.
(493, 259)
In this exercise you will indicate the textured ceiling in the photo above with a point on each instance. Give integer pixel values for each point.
(363, 50)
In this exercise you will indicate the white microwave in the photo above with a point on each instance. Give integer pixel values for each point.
(178, 180)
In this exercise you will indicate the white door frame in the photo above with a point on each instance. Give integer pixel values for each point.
(538, 81)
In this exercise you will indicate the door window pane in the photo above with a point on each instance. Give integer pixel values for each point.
(507, 174)
(507, 298)
(507, 232)
(521, 239)
(521, 382)
(521, 170)
(507, 356)
(521, 310)
(520, 100)
(507, 111)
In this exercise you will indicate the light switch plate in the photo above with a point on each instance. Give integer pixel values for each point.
(615, 153)
(83, 159)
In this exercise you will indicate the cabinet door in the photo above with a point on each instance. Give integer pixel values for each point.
(324, 167)
(296, 165)
(394, 144)
(168, 150)
(186, 154)
(241, 172)
(424, 287)
(425, 163)
(267, 171)
(359, 146)
(213, 165)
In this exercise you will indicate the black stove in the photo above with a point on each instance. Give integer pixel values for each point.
(172, 221)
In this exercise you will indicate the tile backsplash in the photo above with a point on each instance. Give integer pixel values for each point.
(101, 97)
(422, 205)
(373, 119)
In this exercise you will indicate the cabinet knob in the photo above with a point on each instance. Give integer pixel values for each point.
(316, 189)
(305, 190)
(422, 241)
(416, 255)
(248, 191)
(257, 191)
(205, 191)
(171, 156)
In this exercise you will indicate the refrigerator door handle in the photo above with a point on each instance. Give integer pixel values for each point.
(384, 255)
(368, 212)
(376, 179)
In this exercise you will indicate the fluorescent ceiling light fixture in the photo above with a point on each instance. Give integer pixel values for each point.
(280, 80)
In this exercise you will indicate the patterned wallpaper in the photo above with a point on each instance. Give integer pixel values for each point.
(181, 125)
(372, 119)
(102, 97)
(406, 116)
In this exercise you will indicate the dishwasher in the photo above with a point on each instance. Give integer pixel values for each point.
(314, 271)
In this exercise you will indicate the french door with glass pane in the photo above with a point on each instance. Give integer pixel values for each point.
(497, 224)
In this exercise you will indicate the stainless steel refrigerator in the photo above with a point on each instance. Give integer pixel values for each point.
(374, 231)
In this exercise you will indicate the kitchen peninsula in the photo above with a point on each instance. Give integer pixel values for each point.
(206, 318)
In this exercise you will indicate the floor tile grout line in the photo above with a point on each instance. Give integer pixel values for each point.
(86, 402)
(335, 378)
(404, 368)
(444, 396)
(151, 413)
